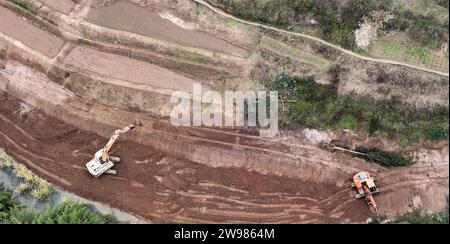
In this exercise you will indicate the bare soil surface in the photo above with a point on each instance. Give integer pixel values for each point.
(217, 176)
(123, 15)
(384, 82)
(124, 68)
(64, 6)
(159, 187)
(18, 28)
(162, 188)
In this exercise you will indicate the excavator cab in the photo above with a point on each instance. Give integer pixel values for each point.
(97, 167)
(365, 188)
(102, 161)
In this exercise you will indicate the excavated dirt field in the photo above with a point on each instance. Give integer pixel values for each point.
(18, 28)
(159, 187)
(123, 15)
(165, 189)
(170, 175)
(123, 68)
(162, 188)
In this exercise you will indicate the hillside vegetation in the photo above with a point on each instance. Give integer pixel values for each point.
(337, 20)
(319, 106)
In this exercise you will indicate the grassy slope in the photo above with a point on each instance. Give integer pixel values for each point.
(336, 21)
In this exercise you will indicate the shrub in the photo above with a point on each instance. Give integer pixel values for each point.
(387, 159)
(420, 217)
(40, 188)
(348, 122)
(11, 212)
(319, 106)
(373, 126)
(336, 21)
(42, 192)
(5, 162)
(7, 202)
(23, 187)
(23, 173)
(20, 4)
(436, 132)
(66, 213)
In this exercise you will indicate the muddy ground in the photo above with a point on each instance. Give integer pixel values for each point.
(165, 189)
(162, 188)
(236, 177)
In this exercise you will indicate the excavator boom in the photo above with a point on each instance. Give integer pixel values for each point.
(113, 139)
(102, 162)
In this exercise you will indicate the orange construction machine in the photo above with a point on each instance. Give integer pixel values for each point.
(365, 187)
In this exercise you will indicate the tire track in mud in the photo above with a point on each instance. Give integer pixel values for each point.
(264, 156)
(188, 192)
(30, 163)
(177, 182)
(175, 190)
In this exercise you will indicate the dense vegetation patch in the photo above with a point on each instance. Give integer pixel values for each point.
(31, 184)
(335, 20)
(420, 217)
(417, 216)
(12, 212)
(425, 29)
(387, 159)
(318, 106)
(20, 4)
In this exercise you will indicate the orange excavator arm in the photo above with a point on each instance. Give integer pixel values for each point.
(370, 198)
(113, 139)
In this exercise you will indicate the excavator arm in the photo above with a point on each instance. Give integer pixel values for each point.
(113, 139)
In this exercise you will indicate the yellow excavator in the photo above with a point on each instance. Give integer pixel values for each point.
(102, 161)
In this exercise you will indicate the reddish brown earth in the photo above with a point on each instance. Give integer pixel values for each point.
(163, 188)
(159, 187)
(166, 189)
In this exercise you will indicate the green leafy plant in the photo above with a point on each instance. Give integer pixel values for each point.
(436, 132)
(12, 212)
(420, 217)
(37, 187)
(387, 159)
(373, 126)
(319, 106)
(20, 4)
(7, 202)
